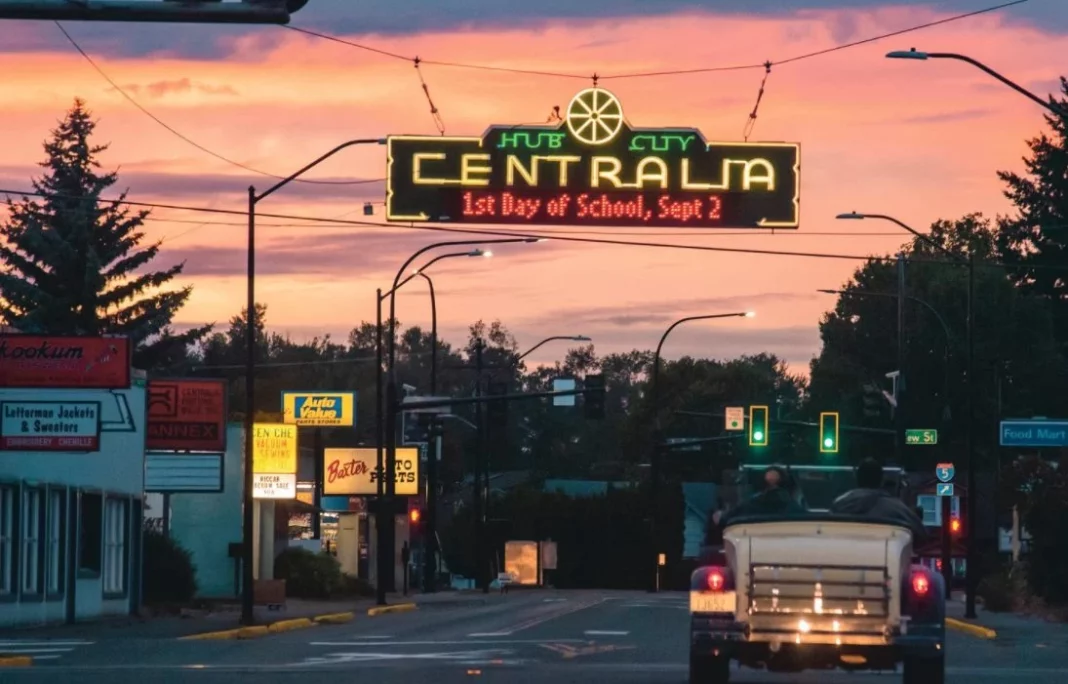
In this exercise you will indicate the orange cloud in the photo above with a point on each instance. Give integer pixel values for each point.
(916, 140)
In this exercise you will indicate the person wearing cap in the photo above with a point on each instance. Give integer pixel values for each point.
(870, 499)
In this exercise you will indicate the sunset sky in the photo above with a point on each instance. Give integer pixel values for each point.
(917, 140)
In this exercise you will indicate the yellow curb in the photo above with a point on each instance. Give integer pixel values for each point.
(334, 618)
(395, 608)
(289, 625)
(15, 661)
(971, 628)
(212, 636)
(253, 632)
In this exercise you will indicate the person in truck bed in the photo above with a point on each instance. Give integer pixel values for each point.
(870, 499)
(776, 499)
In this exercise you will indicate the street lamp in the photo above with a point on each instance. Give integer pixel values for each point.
(654, 473)
(923, 56)
(572, 338)
(247, 519)
(387, 432)
(970, 577)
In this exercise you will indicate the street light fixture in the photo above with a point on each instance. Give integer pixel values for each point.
(573, 338)
(247, 518)
(918, 55)
(387, 428)
(654, 470)
(970, 578)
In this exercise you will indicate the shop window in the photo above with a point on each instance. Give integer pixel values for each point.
(7, 540)
(90, 529)
(116, 519)
(56, 524)
(31, 546)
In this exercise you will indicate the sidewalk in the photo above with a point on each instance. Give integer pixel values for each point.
(1002, 626)
(228, 616)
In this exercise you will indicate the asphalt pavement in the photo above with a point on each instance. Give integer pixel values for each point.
(528, 637)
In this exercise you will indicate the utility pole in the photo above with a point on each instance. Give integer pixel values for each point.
(154, 11)
(380, 471)
(899, 410)
(480, 425)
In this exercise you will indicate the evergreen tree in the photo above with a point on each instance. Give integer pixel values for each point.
(76, 266)
(1037, 236)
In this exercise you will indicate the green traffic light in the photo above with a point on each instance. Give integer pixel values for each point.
(828, 442)
(758, 436)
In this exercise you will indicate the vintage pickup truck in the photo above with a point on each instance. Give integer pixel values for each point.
(816, 591)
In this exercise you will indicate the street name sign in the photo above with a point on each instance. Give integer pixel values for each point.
(921, 436)
(1034, 433)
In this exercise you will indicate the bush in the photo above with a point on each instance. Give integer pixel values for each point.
(999, 591)
(307, 574)
(355, 586)
(168, 572)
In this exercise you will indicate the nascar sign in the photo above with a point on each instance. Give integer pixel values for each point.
(319, 409)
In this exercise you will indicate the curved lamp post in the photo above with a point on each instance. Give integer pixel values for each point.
(654, 470)
(970, 576)
(923, 56)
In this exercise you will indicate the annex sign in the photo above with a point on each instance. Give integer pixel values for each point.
(593, 169)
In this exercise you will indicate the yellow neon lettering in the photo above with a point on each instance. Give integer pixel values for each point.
(562, 162)
(612, 175)
(472, 164)
(765, 174)
(417, 169)
(659, 175)
(514, 165)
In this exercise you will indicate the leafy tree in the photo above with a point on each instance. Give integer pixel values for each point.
(76, 265)
(1037, 236)
(1018, 366)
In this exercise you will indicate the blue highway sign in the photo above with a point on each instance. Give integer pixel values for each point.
(944, 489)
(1034, 433)
(945, 472)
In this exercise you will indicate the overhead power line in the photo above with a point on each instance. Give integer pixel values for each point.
(683, 71)
(523, 234)
(181, 136)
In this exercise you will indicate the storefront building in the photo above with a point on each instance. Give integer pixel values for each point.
(72, 444)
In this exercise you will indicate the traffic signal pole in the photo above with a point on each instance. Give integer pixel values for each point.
(153, 11)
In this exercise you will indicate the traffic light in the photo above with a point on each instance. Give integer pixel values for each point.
(168, 11)
(829, 432)
(593, 404)
(758, 426)
(414, 516)
(955, 526)
(437, 428)
(497, 409)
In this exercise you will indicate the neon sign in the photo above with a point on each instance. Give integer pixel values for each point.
(593, 169)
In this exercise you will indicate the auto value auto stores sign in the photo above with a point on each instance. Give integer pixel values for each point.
(50, 426)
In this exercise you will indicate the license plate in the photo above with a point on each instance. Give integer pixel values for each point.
(720, 602)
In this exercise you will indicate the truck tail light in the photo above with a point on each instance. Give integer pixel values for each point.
(920, 584)
(716, 580)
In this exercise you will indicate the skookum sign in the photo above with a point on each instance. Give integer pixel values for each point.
(351, 472)
(64, 362)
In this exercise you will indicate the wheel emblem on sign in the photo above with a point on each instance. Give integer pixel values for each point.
(594, 116)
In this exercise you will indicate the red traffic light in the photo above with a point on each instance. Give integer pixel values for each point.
(414, 515)
(954, 525)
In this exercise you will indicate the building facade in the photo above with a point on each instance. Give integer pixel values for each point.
(71, 499)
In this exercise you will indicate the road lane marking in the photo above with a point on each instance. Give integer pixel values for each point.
(442, 643)
(604, 632)
(489, 634)
(568, 651)
(535, 621)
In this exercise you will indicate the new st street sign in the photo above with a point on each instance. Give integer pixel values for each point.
(1034, 432)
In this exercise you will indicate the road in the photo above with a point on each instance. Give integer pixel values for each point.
(533, 637)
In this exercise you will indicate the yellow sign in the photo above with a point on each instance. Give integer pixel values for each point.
(274, 449)
(351, 472)
(319, 409)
